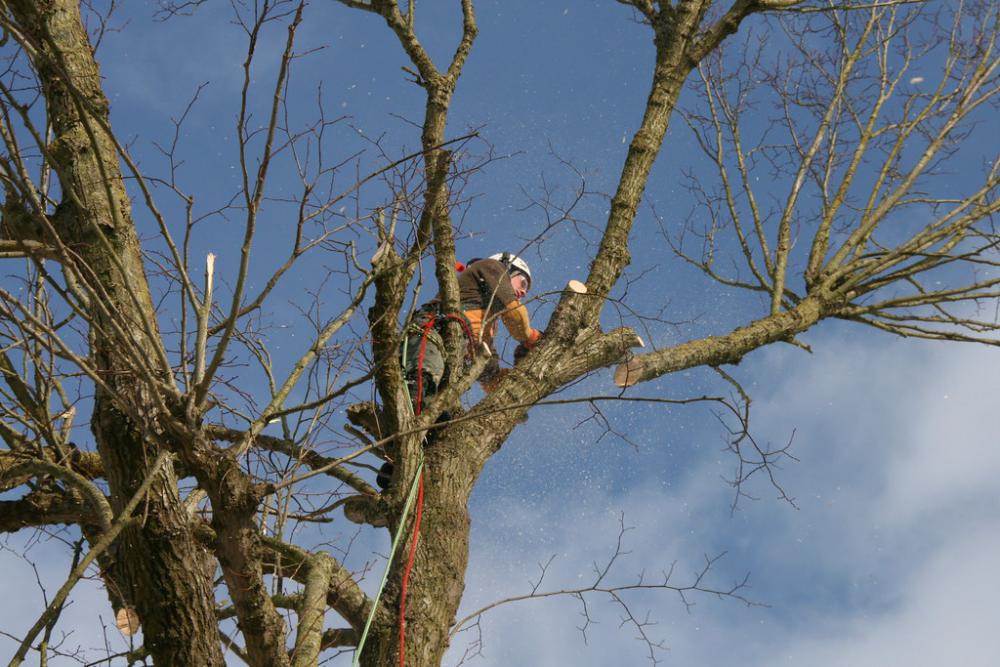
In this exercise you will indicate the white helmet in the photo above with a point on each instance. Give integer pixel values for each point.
(514, 264)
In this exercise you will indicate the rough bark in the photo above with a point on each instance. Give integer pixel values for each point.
(39, 508)
(154, 559)
(238, 548)
(436, 581)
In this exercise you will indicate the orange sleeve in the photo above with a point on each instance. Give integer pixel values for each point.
(475, 317)
(515, 318)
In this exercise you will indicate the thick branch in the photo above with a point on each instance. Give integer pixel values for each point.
(41, 508)
(94, 497)
(309, 639)
(730, 348)
(343, 595)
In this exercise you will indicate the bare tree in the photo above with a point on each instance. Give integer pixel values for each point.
(184, 500)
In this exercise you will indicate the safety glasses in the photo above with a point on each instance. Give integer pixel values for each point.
(519, 282)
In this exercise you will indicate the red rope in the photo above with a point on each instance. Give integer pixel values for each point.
(420, 496)
(420, 362)
(406, 574)
(431, 321)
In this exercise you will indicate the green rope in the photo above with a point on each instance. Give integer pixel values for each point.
(392, 554)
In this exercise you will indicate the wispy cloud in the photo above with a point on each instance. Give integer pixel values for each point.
(888, 561)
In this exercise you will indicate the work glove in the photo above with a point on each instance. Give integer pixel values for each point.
(525, 346)
(534, 337)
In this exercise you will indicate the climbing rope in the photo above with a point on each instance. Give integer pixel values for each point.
(428, 325)
(388, 565)
(416, 486)
(406, 572)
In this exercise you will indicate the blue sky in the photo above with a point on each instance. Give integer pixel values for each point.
(888, 558)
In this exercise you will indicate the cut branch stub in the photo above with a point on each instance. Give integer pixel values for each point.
(380, 252)
(127, 621)
(629, 373)
(576, 286)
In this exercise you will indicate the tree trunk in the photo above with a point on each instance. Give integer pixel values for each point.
(234, 507)
(159, 567)
(437, 578)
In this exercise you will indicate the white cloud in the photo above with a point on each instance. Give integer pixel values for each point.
(945, 614)
(889, 561)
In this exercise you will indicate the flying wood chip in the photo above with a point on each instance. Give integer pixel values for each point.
(127, 621)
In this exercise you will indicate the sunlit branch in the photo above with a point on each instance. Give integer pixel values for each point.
(343, 593)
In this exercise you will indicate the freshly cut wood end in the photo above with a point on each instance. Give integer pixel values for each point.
(127, 621)
(380, 252)
(641, 342)
(576, 286)
(629, 373)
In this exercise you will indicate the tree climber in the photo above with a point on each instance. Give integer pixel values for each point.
(489, 289)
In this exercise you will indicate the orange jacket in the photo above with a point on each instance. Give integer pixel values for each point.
(486, 294)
